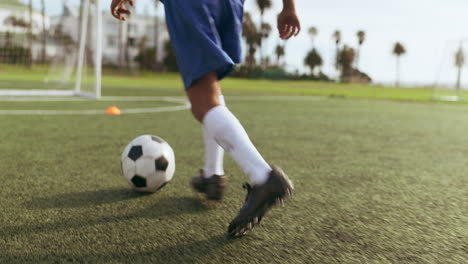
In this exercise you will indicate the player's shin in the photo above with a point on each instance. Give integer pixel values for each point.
(214, 154)
(226, 129)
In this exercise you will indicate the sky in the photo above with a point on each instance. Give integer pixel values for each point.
(430, 30)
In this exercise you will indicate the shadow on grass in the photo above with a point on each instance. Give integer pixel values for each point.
(162, 207)
(191, 252)
(83, 199)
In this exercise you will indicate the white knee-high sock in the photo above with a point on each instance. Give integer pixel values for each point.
(228, 132)
(214, 154)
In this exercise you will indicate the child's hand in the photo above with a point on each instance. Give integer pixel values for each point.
(118, 8)
(288, 24)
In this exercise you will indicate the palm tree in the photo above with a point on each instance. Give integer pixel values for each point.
(265, 31)
(80, 18)
(262, 5)
(252, 39)
(459, 63)
(169, 61)
(120, 44)
(313, 60)
(279, 51)
(398, 51)
(337, 37)
(15, 22)
(127, 43)
(30, 34)
(313, 31)
(345, 61)
(361, 36)
(44, 33)
(156, 36)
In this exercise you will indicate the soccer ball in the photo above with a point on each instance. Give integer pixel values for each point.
(148, 163)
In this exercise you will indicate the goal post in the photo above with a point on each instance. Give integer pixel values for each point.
(42, 55)
(97, 25)
(98, 53)
(451, 82)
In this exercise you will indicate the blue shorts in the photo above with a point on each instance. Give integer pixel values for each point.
(206, 36)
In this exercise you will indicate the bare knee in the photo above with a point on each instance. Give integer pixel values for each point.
(204, 95)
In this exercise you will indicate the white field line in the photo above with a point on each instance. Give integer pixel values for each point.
(275, 98)
(156, 109)
(94, 112)
(182, 105)
(181, 100)
(176, 99)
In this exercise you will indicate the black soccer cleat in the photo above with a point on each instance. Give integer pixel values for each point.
(259, 201)
(213, 187)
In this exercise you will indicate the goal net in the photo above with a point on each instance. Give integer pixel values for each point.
(452, 74)
(43, 54)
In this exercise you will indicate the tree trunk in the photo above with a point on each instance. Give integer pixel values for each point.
(120, 45)
(156, 38)
(8, 39)
(397, 82)
(44, 33)
(80, 17)
(458, 86)
(127, 43)
(260, 50)
(284, 55)
(127, 46)
(339, 71)
(30, 35)
(358, 55)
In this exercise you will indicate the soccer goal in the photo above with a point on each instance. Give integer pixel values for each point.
(50, 55)
(452, 74)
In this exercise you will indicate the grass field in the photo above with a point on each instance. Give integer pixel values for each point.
(377, 181)
(22, 78)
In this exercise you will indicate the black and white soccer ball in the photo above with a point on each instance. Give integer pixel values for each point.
(148, 163)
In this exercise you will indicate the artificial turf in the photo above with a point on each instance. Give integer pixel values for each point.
(375, 182)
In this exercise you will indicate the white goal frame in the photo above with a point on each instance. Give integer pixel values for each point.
(77, 91)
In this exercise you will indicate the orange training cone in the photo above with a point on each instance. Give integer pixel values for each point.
(113, 110)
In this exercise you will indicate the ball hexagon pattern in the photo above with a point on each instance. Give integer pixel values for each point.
(138, 181)
(135, 152)
(148, 163)
(161, 164)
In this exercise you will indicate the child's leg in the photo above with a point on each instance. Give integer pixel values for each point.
(225, 128)
(214, 153)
